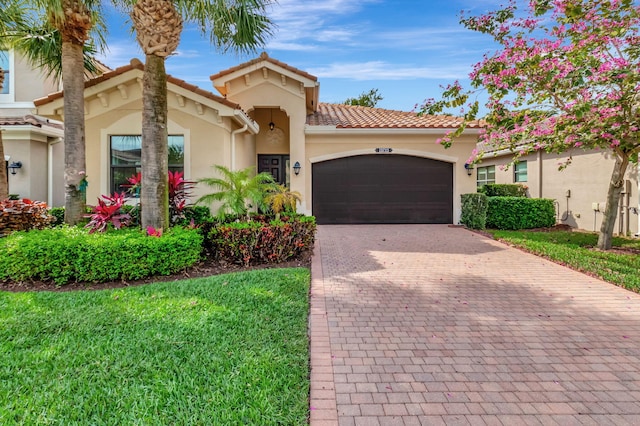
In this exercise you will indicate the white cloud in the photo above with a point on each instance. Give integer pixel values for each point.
(120, 52)
(380, 70)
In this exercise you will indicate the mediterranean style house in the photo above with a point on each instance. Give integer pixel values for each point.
(350, 164)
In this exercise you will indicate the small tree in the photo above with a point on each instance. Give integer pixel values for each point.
(238, 191)
(282, 199)
(366, 99)
(566, 76)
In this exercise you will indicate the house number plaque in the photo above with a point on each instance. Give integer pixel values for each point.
(384, 150)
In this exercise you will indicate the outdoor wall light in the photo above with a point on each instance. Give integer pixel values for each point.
(272, 125)
(469, 168)
(15, 166)
(296, 168)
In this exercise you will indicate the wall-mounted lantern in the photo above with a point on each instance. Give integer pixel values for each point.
(15, 166)
(469, 168)
(296, 168)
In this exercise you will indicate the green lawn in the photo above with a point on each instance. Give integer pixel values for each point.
(575, 249)
(230, 349)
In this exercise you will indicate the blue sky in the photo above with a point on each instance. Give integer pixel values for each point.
(404, 48)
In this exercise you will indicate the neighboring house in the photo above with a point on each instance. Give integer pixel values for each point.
(30, 142)
(580, 190)
(351, 164)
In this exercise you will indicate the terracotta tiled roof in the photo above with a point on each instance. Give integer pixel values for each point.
(29, 120)
(136, 64)
(264, 57)
(358, 117)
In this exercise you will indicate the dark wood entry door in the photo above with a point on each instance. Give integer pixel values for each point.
(277, 165)
(382, 189)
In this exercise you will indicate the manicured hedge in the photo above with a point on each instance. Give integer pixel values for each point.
(474, 210)
(504, 190)
(68, 254)
(261, 241)
(520, 213)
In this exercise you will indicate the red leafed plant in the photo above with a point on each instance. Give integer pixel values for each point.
(108, 211)
(179, 193)
(153, 232)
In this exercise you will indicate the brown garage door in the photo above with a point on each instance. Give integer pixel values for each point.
(383, 189)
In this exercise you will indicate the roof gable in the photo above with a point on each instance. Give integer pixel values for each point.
(116, 79)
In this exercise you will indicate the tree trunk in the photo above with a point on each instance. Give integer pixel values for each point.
(4, 183)
(154, 194)
(74, 143)
(605, 238)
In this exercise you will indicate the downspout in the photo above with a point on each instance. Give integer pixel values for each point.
(233, 145)
(540, 174)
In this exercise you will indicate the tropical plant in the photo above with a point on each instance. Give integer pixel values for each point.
(282, 199)
(239, 25)
(108, 211)
(566, 77)
(238, 191)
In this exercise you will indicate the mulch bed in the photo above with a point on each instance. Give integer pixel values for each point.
(205, 268)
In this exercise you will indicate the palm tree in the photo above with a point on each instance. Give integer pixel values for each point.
(282, 199)
(238, 191)
(239, 25)
(4, 183)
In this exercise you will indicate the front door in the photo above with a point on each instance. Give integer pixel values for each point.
(277, 165)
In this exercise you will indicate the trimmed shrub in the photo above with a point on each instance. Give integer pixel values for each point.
(58, 215)
(259, 241)
(504, 190)
(520, 213)
(23, 215)
(474, 210)
(199, 215)
(68, 254)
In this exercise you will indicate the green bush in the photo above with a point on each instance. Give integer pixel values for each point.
(474, 210)
(504, 190)
(260, 241)
(199, 215)
(58, 215)
(520, 213)
(68, 254)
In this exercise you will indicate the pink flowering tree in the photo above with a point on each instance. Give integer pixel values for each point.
(566, 76)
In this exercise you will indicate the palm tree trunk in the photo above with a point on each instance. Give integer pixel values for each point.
(4, 184)
(605, 238)
(154, 194)
(74, 144)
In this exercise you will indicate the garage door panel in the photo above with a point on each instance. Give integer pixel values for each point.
(383, 189)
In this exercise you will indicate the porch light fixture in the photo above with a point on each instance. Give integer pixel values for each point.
(296, 168)
(271, 123)
(469, 168)
(15, 166)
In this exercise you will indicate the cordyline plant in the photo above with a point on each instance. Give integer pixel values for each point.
(108, 211)
(179, 192)
(567, 76)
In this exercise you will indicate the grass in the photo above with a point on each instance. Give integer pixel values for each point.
(230, 349)
(576, 250)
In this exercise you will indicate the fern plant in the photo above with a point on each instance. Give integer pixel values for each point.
(238, 191)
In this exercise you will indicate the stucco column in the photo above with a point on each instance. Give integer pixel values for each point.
(298, 153)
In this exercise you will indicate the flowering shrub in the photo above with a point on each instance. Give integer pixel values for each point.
(23, 215)
(108, 211)
(260, 241)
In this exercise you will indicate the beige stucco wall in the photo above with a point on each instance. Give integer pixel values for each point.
(577, 188)
(347, 143)
(31, 150)
(30, 82)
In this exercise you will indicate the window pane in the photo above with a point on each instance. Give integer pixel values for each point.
(125, 150)
(119, 176)
(491, 172)
(176, 150)
(6, 66)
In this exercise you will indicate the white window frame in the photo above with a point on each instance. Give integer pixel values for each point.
(482, 182)
(520, 175)
(9, 80)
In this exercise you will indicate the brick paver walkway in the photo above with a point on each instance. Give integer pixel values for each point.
(429, 325)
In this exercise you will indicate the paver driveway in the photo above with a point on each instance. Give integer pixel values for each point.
(428, 324)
